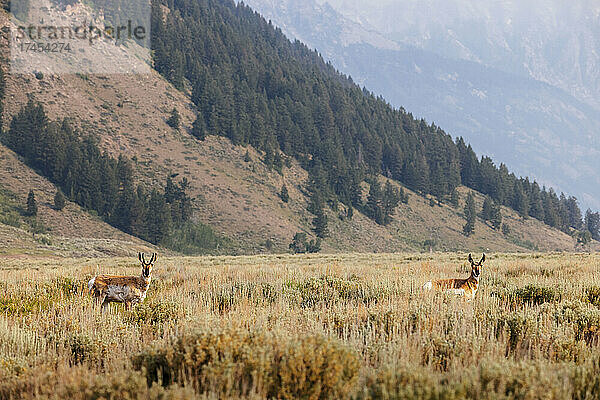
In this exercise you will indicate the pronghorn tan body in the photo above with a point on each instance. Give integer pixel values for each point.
(461, 287)
(129, 290)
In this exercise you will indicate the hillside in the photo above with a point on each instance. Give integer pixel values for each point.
(237, 198)
(529, 120)
(71, 231)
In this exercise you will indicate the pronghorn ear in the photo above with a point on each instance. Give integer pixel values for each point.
(482, 259)
(470, 258)
(153, 258)
(140, 257)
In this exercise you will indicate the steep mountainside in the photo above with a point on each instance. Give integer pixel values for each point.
(237, 196)
(535, 128)
(553, 41)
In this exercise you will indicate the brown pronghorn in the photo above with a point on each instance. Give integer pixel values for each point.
(461, 287)
(123, 289)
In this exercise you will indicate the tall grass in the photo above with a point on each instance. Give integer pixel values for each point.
(311, 327)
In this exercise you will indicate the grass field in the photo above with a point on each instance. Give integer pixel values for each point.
(311, 327)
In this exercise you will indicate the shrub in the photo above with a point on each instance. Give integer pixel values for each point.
(519, 329)
(536, 295)
(81, 383)
(174, 120)
(152, 313)
(592, 295)
(85, 349)
(328, 290)
(236, 363)
(530, 294)
(407, 384)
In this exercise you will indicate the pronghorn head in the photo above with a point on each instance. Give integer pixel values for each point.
(147, 266)
(476, 266)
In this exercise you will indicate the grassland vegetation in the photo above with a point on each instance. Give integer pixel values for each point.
(312, 327)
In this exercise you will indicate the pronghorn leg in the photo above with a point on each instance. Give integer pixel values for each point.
(104, 304)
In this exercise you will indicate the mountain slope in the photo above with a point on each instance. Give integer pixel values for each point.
(553, 41)
(71, 231)
(236, 197)
(536, 129)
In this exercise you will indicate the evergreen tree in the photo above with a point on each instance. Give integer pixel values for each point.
(320, 224)
(199, 128)
(374, 208)
(583, 238)
(158, 218)
(283, 194)
(391, 199)
(470, 215)
(298, 244)
(403, 196)
(487, 209)
(574, 213)
(174, 120)
(454, 198)
(520, 201)
(59, 200)
(32, 207)
(496, 217)
(592, 223)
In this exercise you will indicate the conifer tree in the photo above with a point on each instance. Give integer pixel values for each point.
(592, 223)
(174, 120)
(374, 207)
(487, 209)
(283, 194)
(470, 215)
(32, 207)
(454, 198)
(59, 200)
(320, 224)
(199, 128)
(496, 217)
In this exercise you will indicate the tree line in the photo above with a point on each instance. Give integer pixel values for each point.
(251, 84)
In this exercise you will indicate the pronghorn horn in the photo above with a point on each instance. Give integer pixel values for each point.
(153, 258)
(140, 256)
(482, 259)
(470, 258)
(144, 259)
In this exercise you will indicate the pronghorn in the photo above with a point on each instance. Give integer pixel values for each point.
(123, 289)
(461, 287)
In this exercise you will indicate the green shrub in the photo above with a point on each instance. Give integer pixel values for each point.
(519, 329)
(530, 295)
(328, 290)
(236, 363)
(404, 383)
(81, 383)
(152, 313)
(85, 349)
(592, 295)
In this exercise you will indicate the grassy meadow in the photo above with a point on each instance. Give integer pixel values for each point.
(304, 327)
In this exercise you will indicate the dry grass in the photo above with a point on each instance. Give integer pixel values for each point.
(339, 326)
